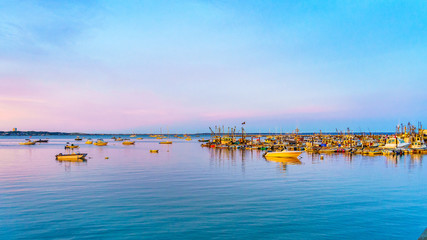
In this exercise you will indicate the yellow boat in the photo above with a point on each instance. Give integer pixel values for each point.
(89, 141)
(128, 142)
(72, 146)
(28, 142)
(188, 139)
(284, 154)
(166, 142)
(118, 139)
(140, 138)
(70, 157)
(100, 142)
(154, 151)
(133, 135)
(285, 160)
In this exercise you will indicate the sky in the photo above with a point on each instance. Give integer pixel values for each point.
(138, 66)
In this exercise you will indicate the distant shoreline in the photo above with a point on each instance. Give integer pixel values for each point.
(47, 133)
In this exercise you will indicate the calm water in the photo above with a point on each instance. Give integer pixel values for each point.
(189, 192)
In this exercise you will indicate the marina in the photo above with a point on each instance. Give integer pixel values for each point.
(214, 192)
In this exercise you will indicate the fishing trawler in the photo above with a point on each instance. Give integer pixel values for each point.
(395, 142)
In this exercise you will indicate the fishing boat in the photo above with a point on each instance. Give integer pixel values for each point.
(165, 142)
(78, 138)
(154, 151)
(418, 145)
(71, 146)
(203, 140)
(89, 141)
(71, 156)
(27, 142)
(128, 142)
(284, 153)
(394, 143)
(100, 142)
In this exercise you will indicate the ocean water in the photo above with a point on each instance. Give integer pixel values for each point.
(189, 192)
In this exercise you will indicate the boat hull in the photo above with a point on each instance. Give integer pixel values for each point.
(284, 154)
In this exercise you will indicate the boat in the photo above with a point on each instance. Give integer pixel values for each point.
(100, 142)
(71, 156)
(118, 139)
(42, 141)
(188, 138)
(166, 142)
(140, 138)
(89, 141)
(285, 160)
(203, 140)
(133, 135)
(418, 145)
(284, 153)
(394, 143)
(154, 151)
(78, 138)
(27, 142)
(128, 142)
(71, 146)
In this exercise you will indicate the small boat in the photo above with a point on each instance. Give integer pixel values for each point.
(27, 142)
(284, 153)
(42, 141)
(71, 156)
(140, 138)
(128, 142)
(100, 142)
(166, 142)
(78, 138)
(188, 139)
(71, 146)
(89, 141)
(154, 151)
(119, 139)
(285, 160)
(133, 135)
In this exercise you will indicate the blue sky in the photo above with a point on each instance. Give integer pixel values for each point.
(108, 66)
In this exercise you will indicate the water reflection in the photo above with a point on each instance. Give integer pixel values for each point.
(283, 162)
(69, 163)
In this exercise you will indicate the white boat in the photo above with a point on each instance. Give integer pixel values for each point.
(418, 145)
(395, 142)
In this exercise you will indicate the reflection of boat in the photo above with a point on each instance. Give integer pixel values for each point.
(284, 160)
(166, 142)
(78, 138)
(100, 142)
(284, 154)
(27, 142)
(70, 157)
(128, 142)
(89, 141)
(154, 151)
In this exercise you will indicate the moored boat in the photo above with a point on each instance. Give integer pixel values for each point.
(89, 141)
(128, 142)
(166, 142)
(100, 142)
(70, 157)
(27, 142)
(284, 153)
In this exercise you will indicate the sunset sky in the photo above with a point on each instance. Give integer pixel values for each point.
(138, 66)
